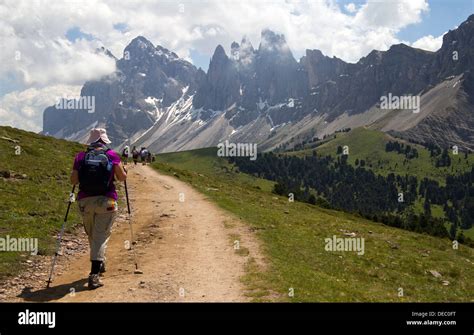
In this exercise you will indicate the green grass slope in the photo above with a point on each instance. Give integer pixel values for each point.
(293, 234)
(33, 206)
(369, 145)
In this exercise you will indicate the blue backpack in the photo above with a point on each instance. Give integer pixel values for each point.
(95, 171)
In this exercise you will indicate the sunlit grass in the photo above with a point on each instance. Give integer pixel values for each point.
(293, 234)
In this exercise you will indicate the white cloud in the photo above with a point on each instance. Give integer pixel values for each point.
(24, 109)
(391, 14)
(429, 43)
(37, 29)
(350, 7)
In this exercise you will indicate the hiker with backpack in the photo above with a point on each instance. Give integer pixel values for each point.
(135, 155)
(144, 155)
(125, 154)
(95, 170)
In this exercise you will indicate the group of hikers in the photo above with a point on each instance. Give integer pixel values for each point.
(95, 170)
(144, 155)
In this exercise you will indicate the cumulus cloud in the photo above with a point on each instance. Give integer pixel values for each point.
(429, 43)
(391, 14)
(37, 51)
(24, 109)
(61, 61)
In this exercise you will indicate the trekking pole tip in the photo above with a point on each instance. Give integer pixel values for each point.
(137, 271)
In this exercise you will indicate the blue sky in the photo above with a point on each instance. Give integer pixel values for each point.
(443, 16)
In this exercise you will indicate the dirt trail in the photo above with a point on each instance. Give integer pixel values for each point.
(184, 249)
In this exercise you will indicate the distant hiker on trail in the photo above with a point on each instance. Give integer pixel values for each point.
(94, 170)
(144, 155)
(135, 155)
(125, 154)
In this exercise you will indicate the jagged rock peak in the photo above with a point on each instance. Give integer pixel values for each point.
(140, 42)
(235, 50)
(219, 53)
(246, 44)
(272, 41)
(103, 50)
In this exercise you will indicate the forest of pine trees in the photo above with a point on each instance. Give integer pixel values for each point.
(333, 183)
(401, 148)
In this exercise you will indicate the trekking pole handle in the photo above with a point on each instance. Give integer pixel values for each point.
(71, 195)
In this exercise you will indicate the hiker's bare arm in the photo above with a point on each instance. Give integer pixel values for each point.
(74, 177)
(119, 172)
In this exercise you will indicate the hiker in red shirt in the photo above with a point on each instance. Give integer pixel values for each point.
(95, 170)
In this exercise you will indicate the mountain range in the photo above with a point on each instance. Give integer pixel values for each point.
(264, 95)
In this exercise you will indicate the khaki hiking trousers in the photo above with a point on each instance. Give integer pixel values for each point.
(98, 215)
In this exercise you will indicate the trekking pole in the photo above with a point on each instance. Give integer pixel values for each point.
(58, 245)
(137, 271)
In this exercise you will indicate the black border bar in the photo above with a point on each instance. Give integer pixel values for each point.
(359, 316)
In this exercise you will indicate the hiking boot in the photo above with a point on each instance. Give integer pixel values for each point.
(94, 282)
